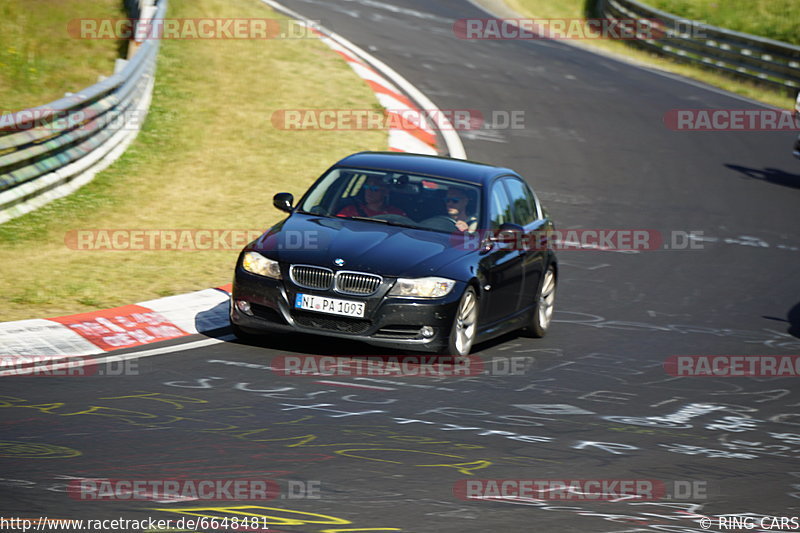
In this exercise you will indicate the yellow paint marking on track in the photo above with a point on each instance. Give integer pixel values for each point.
(266, 519)
(461, 467)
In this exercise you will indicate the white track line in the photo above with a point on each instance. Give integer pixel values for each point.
(454, 146)
(121, 357)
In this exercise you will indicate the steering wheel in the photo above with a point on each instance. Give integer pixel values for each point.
(440, 222)
(398, 219)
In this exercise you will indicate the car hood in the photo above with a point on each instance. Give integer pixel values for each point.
(392, 251)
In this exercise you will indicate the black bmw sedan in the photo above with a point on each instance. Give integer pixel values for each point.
(404, 251)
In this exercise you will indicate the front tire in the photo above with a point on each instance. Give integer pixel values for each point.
(545, 305)
(465, 325)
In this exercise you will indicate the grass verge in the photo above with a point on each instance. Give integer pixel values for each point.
(208, 157)
(576, 9)
(39, 61)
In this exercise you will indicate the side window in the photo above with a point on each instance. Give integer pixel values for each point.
(499, 206)
(521, 200)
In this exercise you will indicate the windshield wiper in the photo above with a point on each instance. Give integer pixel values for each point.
(387, 222)
(370, 219)
(366, 219)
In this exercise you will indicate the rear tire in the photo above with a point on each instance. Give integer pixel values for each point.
(465, 325)
(545, 303)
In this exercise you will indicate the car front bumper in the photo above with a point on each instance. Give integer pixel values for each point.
(389, 321)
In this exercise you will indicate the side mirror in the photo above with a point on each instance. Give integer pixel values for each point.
(506, 236)
(508, 233)
(283, 201)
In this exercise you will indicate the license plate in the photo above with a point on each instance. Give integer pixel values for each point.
(332, 306)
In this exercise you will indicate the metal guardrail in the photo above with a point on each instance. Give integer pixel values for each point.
(49, 151)
(746, 56)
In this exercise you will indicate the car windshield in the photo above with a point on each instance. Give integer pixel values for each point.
(397, 198)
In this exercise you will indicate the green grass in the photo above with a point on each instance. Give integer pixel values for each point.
(208, 157)
(39, 61)
(775, 19)
(577, 9)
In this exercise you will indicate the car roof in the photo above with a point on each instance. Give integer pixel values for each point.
(445, 167)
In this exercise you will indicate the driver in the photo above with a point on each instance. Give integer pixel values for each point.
(374, 201)
(457, 202)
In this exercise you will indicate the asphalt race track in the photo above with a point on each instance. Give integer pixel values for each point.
(591, 401)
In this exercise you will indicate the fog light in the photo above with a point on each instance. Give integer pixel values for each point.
(426, 332)
(244, 307)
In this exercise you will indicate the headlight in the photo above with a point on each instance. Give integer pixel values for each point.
(258, 264)
(422, 287)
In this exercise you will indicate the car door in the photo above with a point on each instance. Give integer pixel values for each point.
(532, 258)
(502, 264)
